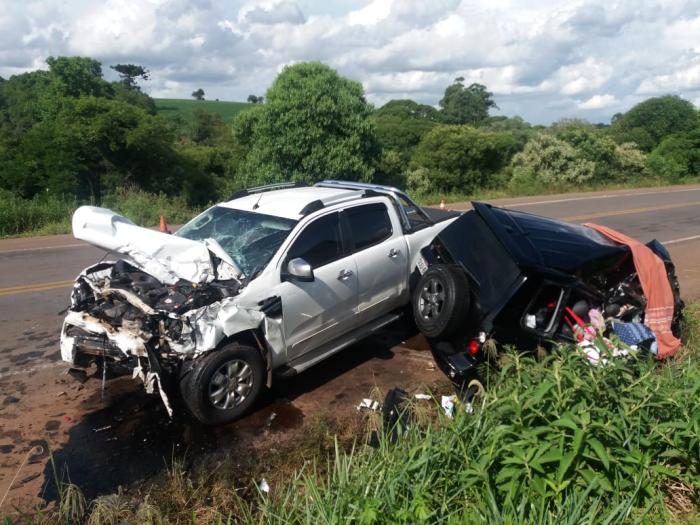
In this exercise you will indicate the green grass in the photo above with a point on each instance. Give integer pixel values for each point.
(185, 108)
(553, 441)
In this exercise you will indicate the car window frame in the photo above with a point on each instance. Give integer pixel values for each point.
(344, 252)
(345, 222)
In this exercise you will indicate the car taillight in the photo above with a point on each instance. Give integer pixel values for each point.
(473, 346)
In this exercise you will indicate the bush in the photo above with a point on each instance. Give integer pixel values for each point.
(631, 161)
(550, 161)
(677, 157)
(461, 158)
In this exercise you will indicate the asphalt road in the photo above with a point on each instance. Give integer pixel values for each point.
(37, 403)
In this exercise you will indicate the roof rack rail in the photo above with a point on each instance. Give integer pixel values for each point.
(319, 204)
(267, 187)
(395, 193)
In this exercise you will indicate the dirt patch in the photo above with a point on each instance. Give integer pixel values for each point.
(127, 438)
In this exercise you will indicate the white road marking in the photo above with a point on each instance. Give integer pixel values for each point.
(682, 239)
(604, 196)
(74, 245)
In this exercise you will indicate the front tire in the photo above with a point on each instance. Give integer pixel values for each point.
(223, 385)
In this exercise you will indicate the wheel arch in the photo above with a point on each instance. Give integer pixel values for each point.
(255, 338)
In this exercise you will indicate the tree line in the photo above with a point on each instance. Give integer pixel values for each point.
(66, 132)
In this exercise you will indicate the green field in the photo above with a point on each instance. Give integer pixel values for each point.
(185, 108)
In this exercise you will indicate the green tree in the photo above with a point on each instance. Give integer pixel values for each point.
(128, 73)
(208, 128)
(466, 105)
(23, 99)
(461, 158)
(76, 76)
(135, 97)
(314, 124)
(519, 129)
(647, 123)
(402, 123)
(198, 94)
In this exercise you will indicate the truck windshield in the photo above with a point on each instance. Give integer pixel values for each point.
(251, 239)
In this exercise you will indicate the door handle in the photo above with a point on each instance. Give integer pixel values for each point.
(344, 274)
(393, 253)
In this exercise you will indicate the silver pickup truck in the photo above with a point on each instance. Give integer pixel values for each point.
(270, 282)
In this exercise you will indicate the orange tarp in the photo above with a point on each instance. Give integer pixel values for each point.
(657, 289)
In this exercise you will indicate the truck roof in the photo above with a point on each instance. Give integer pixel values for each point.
(288, 202)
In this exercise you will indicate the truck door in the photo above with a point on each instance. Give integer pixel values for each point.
(318, 311)
(379, 247)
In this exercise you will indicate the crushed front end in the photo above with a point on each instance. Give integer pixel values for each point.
(121, 316)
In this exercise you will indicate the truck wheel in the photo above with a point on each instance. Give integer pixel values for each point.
(441, 301)
(223, 385)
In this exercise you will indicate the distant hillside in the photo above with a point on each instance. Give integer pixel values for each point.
(185, 107)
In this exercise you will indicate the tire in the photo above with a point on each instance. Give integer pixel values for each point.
(441, 302)
(223, 385)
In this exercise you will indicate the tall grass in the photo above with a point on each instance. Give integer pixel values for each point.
(52, 215)
(555, 441)
(39, 214)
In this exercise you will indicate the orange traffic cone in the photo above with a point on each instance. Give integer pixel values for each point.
(163, 227)
(442, 204)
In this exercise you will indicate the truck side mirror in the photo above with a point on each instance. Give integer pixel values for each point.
(298, 270)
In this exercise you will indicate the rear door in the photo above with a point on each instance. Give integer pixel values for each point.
(319, 311)
(379, 247)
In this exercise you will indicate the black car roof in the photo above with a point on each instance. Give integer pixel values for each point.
(540, 242)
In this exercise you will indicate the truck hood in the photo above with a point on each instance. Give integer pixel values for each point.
(166, 257)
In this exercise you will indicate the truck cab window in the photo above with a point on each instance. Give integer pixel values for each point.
(369, 225)
(319, 243)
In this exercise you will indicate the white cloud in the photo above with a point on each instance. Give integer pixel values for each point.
(541, 60)
(598, 102)
(687, 78)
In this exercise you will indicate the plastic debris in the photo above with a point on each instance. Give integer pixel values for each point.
(448, 405)
(423, 397)
(369, 404)
(264, 486)
(530, 321)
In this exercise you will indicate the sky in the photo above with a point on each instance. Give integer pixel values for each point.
(543, 60)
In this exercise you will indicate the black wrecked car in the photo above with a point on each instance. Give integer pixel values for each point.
(518, 278)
